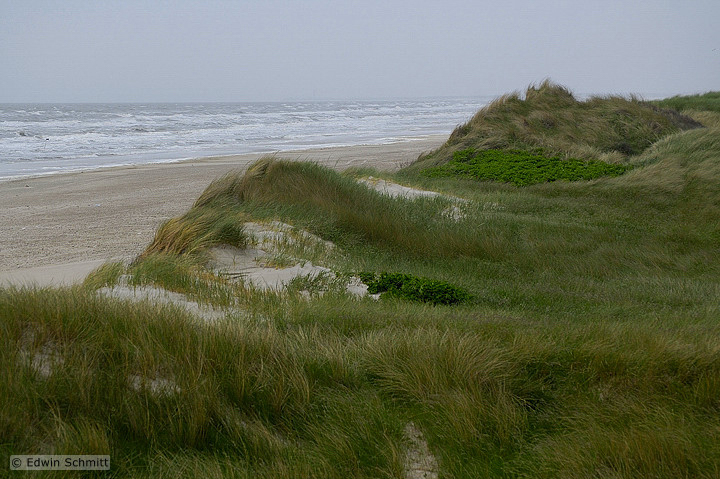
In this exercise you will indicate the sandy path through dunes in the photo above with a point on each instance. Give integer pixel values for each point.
(113, 213)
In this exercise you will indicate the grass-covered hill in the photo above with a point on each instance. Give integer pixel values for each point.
(580, 337)
(709, 101)
(549, 121)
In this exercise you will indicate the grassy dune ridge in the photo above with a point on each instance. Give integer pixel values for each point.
(709, 101)
(551, 120)
(588, 346)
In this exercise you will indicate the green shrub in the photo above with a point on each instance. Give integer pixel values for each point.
(414, 288)
(521, 167)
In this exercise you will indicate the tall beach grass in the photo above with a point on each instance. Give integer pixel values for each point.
(588, 348)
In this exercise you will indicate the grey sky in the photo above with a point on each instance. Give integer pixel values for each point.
(264, 50)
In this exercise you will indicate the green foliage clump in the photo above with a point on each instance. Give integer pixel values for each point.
(521, 168)
(414, 288)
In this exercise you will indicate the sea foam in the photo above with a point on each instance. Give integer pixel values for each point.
(39, 139)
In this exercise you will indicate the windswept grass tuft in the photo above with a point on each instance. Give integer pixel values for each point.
(197, 230)
(186, 275)
(709, 101)
(686, 161)
(107, 274)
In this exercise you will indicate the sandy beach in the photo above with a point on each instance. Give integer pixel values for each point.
(55, 229)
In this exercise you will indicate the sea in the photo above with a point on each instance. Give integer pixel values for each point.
(43, 139)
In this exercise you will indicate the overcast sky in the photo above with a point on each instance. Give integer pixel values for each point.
(276, 50)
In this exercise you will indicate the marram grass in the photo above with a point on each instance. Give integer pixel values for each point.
(589, 347)
(564, 400)
(550, 118)
(709, 101)
(196, 231)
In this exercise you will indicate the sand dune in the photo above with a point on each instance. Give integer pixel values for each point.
(55, 228)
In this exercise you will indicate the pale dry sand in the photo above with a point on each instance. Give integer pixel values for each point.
(55, 229)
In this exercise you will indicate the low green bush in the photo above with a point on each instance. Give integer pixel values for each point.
(521, 168)
(414, 288)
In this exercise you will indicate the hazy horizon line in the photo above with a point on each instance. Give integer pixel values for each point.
(580, 95)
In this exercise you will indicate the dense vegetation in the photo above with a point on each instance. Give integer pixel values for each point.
(521, 168)
(708, 102)
(587, 345)
(551, 119)
(413, 288)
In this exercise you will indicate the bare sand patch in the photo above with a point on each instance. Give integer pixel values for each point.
(158, 386)
(395, 190)
(251, 265)
(419, 461)
(50, 275)
(161, 296)
(247, 265)
(275, 235)
(254, 265)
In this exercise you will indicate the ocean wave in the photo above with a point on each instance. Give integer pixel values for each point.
(91, 135)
